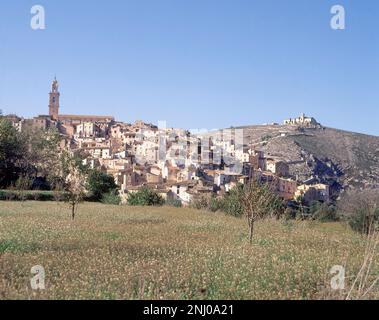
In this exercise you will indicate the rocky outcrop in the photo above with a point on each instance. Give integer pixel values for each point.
(326, 155)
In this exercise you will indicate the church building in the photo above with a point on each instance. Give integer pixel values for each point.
(69, 119)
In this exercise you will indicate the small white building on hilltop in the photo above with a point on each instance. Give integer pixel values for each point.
(302, 121)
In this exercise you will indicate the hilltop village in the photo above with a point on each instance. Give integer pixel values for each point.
(173, 162)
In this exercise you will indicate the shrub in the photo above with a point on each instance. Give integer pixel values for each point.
(215, 204)
(231, 202)
(23, 183)
(99, 184)
(207, 202)
(314, 207)
(267, 137)
(361, 222)
(324, 212)
(200, 203)
(14, 195)
(111, 197)
(361, 207)
(289, 214)
(37, 196)
(40, 183)
(59, 196)
(145, 197)
(173, 202)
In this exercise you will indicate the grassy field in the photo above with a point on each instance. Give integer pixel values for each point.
(122, 252)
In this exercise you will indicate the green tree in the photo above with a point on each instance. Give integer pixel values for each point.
(43, 154)
(28, 154)
(231, 202)
(100, 184)
(145, 197)
(12, 151)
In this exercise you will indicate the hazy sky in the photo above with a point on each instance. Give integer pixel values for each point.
(195, 63)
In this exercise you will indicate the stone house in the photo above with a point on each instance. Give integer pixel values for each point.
(302, 121)
(277, 167)
(315, 192)
(87, 129)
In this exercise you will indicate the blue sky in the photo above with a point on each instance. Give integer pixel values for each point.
(195, 63)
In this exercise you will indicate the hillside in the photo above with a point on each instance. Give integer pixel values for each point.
(339, 158)
(122, 252)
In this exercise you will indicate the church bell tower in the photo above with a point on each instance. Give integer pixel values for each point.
(54, 100)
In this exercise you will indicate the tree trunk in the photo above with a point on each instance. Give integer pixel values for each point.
(73, 211)
(251, 230)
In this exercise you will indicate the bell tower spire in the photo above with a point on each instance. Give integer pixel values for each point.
(54, 100)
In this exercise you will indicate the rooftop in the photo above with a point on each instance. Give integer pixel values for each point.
(72, 116)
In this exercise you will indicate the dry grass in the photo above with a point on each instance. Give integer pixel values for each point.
(121, 252)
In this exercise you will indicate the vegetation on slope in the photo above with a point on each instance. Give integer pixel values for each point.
(336, 157)
(124, 252)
